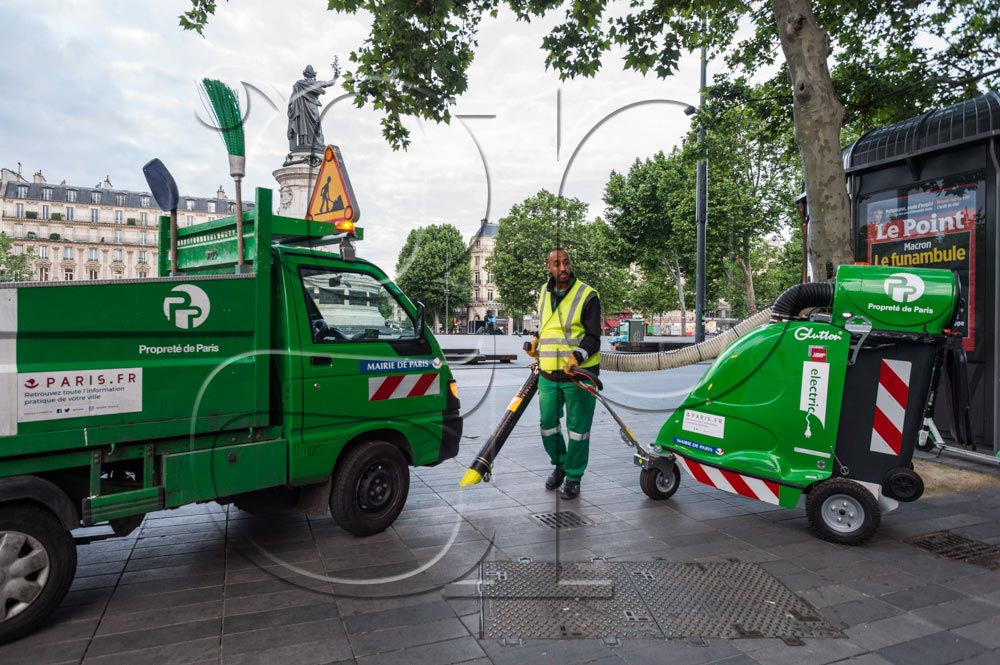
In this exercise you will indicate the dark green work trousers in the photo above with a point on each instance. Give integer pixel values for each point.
(553, 396)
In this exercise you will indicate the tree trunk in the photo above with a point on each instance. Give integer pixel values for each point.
(748, 291)
(678, 276)
(819, 117)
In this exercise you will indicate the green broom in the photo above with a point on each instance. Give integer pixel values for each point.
(224, 106)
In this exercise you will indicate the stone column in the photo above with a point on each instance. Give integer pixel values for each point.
(295, 187)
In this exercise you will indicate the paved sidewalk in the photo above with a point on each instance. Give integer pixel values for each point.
(209, 584)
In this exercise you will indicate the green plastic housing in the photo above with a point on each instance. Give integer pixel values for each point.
(912, 300)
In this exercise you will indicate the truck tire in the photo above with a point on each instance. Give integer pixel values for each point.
(370, 486)
(37, 565)
(658, 486)
(842, 511)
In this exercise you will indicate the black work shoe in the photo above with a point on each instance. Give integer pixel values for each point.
(555, 479)
(570, 489)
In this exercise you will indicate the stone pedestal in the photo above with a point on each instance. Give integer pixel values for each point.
(295, 187)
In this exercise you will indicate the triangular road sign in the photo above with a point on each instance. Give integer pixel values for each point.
(333, 198)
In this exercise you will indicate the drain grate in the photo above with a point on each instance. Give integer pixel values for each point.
(649, 599)
(959, 548)
(562, 519)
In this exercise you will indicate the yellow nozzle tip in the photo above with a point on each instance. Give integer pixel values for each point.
(471, 477)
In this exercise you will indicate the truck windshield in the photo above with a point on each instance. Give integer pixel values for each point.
(345, 306)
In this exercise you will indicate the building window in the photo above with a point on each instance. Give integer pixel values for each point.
(231, 207)
(19, 210)
(142, 256)
(118, 237)
(45, 211)
(43, 252)
(118, 255)
(22, 191)
(119, 217)
(92, 254)
(93, 273)
(69, 213)
(144, 202)
(119, 199)
(68, 275)
(190, 204)
(93, 215)
(118, 274)
(145, 218)
(71, 195)
(95, 197)
(190, 220)
(489, 280)
(475, 295)
(477, 260)
(43, 274)
(211, 206)
(476, 278)
(47, 194)
(142, 238)
(477, 244)
(67, 253)
(18, 250)
(489, 296)
(18, 230)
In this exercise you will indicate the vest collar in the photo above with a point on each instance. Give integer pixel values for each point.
(551, 286)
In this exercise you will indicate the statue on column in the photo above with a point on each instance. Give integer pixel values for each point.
(305, 135)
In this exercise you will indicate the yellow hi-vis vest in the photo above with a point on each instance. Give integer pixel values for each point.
(562, 330)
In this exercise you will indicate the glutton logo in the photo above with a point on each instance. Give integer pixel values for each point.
(189, 309)
(903, 287)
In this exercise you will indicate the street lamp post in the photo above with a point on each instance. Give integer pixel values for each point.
(447, 275)
(701, 204)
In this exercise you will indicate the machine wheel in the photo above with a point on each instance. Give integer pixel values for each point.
(842, 511)
(37, 565)
(657, 485)
(903, 484)
(370, 486)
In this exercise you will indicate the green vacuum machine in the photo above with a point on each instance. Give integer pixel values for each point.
(822, 410)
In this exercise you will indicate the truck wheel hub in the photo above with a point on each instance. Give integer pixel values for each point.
(842, 513)
(23, 574)
(375, 489)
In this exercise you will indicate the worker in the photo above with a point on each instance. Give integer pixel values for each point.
(570, 336)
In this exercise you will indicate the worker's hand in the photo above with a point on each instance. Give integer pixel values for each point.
(531, 348)
(571, 362)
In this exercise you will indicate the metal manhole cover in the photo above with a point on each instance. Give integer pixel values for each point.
(649, 599)
(561, 519)
(959, 548)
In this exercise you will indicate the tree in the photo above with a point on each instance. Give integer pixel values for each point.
(417, 55)
(535, 226)
(13, 267)
(652, 296)
(428, 253)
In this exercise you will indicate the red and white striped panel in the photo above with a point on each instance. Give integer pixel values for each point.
(403, 385)
(890, 406)
(730, 481)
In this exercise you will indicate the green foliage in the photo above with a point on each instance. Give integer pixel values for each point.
(14, 267)
(654, 294)
(428, 253)
(224, 106)
(527, 234)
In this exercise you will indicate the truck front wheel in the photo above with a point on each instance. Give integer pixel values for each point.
(370, 486)
(37, 565)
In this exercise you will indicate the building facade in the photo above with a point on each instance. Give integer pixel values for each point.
(91, 233)
(485, 297)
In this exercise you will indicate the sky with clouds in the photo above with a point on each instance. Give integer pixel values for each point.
(99, 87)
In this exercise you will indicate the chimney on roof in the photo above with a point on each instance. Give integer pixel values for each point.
(221, 194)
(63, 183)
(484, 221)
(39, 179)
(107, 182)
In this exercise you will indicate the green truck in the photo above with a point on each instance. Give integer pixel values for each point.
(302, 377)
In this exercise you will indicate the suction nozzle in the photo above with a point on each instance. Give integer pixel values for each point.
(471, 477)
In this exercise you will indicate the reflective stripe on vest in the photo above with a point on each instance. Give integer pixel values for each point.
(562, 330)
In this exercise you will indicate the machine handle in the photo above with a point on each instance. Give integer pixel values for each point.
(586, 380)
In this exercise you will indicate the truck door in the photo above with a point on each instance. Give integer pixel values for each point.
(364, 366)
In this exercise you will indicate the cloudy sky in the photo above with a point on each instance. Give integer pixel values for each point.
(99, 87)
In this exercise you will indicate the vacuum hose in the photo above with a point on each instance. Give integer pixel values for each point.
(787, 306)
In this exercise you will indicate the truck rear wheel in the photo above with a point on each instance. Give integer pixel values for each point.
(37, 565)
(842, 511)
(370, 486)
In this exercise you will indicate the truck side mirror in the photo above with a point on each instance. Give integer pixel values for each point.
(420, 320)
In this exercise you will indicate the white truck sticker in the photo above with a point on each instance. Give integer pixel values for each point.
(815, 391)
(705, 423)
(90, 392)
(8, 361)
